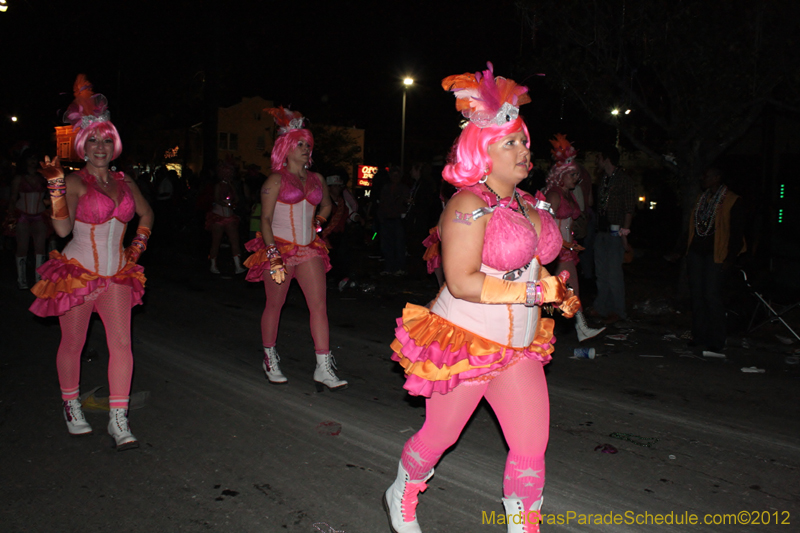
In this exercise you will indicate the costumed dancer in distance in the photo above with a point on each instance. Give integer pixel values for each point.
(288, 245)
(561, 180)
(28, 192)
(222, 219)
(94, 272)
(483, 336)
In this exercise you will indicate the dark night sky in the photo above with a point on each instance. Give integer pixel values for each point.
(337, 62)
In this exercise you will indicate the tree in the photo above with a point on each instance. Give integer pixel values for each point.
(695, 73)
(335, 147)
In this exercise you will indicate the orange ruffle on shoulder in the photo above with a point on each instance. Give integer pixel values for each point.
(437, 355)
(433, 253)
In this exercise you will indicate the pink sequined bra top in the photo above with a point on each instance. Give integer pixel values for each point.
(95, 207)
(568, 208)
(511, 241)
(293, 191)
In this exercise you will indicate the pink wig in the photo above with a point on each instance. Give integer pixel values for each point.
(469, 159)
(286, 143)
(103, 130)
(555, 178)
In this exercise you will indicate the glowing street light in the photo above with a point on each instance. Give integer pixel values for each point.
(407, 82)
(3, 6)
(627, 111)
(615, 112)
(13, 119)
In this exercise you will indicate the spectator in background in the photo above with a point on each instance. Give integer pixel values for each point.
(394, 200)
(222, 217)
(164, 206)
(716, 229)
(585, 228)
(28, 193)
(339, 232)
(423, 210)
(615, 205)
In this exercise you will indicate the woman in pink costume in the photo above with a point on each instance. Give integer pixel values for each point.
(561, 181)
(221, 219)
(483, 335)
(28, 192)
(94, 272)
(288, 245)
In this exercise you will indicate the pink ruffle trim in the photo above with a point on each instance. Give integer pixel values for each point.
(433, 253)
(66, 284)
(291, 253)
(213, 218)
(431, 368)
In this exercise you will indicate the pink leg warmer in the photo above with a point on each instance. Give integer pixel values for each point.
(520, 401)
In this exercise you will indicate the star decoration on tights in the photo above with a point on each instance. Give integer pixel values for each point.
(416, 456)
(529, 472)
(513, 496)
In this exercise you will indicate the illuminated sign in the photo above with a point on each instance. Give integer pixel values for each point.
(365, 175)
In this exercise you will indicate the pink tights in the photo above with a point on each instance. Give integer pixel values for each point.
(519, 399)
(114, 308)
(311, 277)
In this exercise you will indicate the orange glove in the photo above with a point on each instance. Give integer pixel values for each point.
(500, 291)
(57, 187)
(570, 305)
(553, 289)
(572, 246)
(276, 268)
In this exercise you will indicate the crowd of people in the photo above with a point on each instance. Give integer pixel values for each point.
(489, 242)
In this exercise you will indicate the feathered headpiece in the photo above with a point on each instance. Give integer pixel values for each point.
(286, 119)
(564, 159)
(563, 151)
(87, 107)
(484, 99)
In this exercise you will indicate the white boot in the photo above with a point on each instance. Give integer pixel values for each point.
(270, 366)
(324, 375)
(583, 329)
(22, 273)
(238, 264)
(214, 269)
(76, 422)
(119, 429)
(400, 501)
(523, 520)
(39, 262)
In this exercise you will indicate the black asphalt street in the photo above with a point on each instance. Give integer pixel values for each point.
(223, 450)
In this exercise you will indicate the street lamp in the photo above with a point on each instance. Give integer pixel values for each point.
(407, 82)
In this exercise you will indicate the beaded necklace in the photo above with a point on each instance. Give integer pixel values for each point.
(605, 192)
(522, 209)
(705, 214)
